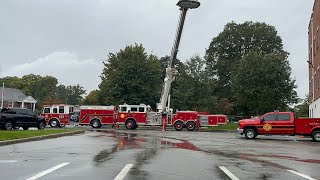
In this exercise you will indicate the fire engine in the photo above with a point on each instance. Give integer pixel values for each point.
(96, 116)
(132, 116)
(57, 115)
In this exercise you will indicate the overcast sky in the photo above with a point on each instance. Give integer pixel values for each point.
(69, 39)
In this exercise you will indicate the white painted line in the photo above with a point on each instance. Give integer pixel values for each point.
(228, 173)
(302, 175)
(124, 172)
(7, 161)
(43, 173)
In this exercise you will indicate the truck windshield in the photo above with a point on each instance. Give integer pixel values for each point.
(255, 117)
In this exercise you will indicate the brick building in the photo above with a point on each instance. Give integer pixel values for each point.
(314, 61)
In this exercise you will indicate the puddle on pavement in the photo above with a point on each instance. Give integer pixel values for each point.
(133, 141)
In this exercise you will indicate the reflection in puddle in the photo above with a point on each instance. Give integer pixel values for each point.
(132, 141)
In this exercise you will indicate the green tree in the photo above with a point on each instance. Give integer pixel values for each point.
(92, 98)
(73, 94)
(131, 76)
(45, 90)
(230, 46)
(262, 83)
(192, 89)
(302, 110)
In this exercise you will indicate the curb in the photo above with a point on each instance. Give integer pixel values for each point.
(37, 138)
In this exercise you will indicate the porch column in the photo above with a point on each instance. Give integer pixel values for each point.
(34, 106)
(22, 106)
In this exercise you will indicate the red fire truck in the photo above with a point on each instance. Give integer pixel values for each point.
(132, 116)
(280, 123)
(96, 116)
(57, 115)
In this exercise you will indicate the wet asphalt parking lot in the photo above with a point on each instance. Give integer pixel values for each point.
(152, 154)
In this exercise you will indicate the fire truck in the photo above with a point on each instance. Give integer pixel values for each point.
(134, 115)
(97, 116)
(57, 115)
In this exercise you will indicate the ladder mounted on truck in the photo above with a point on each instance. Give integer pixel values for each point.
(164, 106)
(171, 72)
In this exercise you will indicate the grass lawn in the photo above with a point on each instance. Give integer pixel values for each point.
(228, 126)
(19, 134)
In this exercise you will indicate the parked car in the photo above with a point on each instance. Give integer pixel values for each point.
(12, 118)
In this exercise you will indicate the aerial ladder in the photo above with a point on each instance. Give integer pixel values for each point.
(164, 106)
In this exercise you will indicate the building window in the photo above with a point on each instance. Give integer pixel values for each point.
(10, 104)
(314, 46)
(318, 79)
(318, 38)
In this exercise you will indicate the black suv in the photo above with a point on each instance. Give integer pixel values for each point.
(14, 118)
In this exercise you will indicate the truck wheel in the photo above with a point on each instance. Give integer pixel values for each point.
(316, 136)
(191, 126)
(95, 123)
(130, 124)
(178, 126)
(250, 134)
(41, 125)
(25, 127)
(8, 125)
(54, 123)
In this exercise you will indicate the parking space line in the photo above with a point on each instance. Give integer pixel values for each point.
(123, 172)
(7, 161)
(228, 173)
(302, 175)
(43, 173)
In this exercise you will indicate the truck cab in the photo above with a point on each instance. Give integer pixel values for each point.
(57, 115)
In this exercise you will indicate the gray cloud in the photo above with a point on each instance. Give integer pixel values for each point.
(35, 29)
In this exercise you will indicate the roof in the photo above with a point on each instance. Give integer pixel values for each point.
(12, 94)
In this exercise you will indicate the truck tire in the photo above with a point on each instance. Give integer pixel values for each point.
(25, 127)
(130, 124)
(191, 125)
(316, 136)
(178, 125)
(54, 123)
(41, 125)
(250, 133)
(8, 125)
(95, 123)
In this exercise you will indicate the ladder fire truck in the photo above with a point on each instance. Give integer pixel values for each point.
(132, 116)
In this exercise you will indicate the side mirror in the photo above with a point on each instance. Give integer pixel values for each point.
(262, 120)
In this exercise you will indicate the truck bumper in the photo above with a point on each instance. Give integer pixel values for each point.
(240, 131)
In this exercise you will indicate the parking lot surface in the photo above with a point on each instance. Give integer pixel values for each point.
(142, 154)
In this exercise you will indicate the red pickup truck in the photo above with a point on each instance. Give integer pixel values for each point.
(280, 123)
